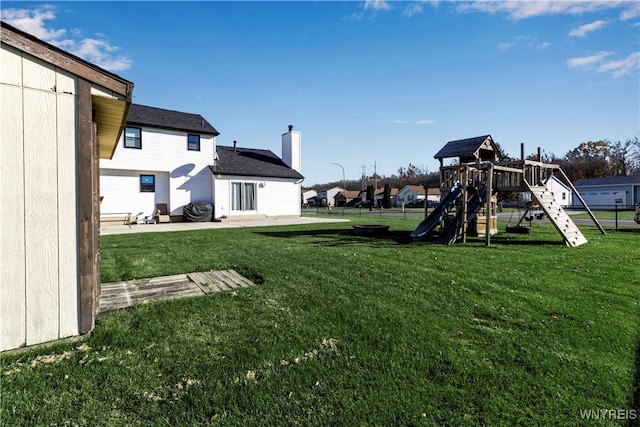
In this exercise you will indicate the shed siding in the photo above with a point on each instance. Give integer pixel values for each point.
(41, 205)
(39, 272)
(12, 235)
(67, 212)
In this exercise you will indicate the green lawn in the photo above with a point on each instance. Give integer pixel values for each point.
(353, 331)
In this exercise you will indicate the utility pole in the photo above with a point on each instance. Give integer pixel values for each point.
(375, 174)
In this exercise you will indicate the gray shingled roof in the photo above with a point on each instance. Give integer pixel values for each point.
(141, 115)
(609, 180)
(461, 147)
(251, 162)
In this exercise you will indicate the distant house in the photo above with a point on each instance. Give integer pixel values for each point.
(346, 198)
(59, 115)
(408, 194)
(562, 194)
(433, 194)
(608, 192)
(171, 157)
(379, 197)
(308, 197)
(327, 196)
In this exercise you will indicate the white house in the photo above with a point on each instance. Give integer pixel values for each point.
(59, 113)
(379, 196)
(410, 194)
(608, 192)
(163, 157)
(308, 197)
(170, 157)
(327, 196)
(254, 182)
(561, 191)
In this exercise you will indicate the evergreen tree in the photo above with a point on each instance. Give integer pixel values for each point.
(386, 201)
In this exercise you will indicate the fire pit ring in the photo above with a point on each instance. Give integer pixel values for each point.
(370, 230)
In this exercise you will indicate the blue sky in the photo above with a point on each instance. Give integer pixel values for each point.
(368, 83)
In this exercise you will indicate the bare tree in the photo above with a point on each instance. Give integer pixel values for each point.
(590, 160)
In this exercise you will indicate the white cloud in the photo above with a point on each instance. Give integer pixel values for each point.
(583, 30)
(425, 122)
(97, 51)
(632, 12)
(621, 67)
(600, 62)
(417, 122)
(102, 53)
(585, 61)
(33, 21)
(544, 45)
(506, 45)
(377, 5)
(517, 10)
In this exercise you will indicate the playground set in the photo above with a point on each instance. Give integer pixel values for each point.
(469, 190)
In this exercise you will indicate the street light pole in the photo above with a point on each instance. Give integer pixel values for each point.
(344, 185)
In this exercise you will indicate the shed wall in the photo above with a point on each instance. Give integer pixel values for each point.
(38, 191)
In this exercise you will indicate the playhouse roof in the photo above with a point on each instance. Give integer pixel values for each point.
(470, 147)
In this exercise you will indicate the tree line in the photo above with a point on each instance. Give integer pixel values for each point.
(591, 159)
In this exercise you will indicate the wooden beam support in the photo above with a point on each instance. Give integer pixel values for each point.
(88, 259)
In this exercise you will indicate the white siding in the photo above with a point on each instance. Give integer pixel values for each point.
(121, 192)
(163, 152)
(561, 194)
(274, 196)
(38, 192)
(278, 197)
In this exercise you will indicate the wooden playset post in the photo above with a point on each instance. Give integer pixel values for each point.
(465, 195)
(488, 214)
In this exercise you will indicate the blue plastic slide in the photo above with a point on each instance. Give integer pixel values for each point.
(436, 215)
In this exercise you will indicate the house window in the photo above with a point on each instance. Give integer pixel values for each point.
(147, 183)
(133, 138)
(243, 196)
(193, 142)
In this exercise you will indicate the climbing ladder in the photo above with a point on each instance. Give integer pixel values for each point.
(558, 217)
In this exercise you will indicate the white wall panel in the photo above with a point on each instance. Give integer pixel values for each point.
(12, 244)
(41, 215)
(10, 66)
(68, 278)
(37, 74)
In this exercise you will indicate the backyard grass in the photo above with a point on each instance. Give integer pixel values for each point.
(352, 331)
